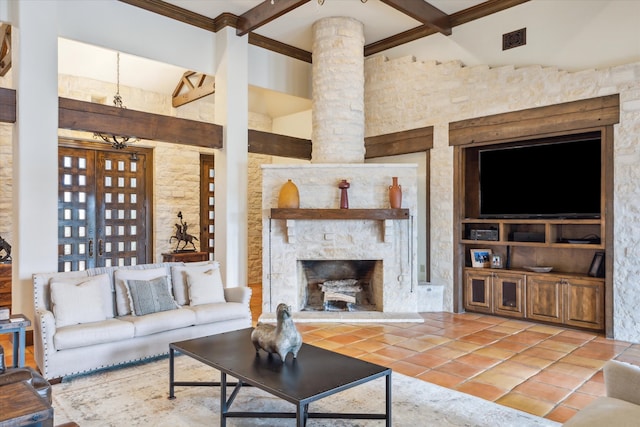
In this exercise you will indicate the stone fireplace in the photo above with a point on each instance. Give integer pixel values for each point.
(391, 243)
(368, 230)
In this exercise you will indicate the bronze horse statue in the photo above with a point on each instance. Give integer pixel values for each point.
(182, 235)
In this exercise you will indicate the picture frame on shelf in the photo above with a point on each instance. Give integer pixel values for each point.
(597, 265)
(480, 258)
(496, 261)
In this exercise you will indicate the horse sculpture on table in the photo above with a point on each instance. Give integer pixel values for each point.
(182, 235)
(283, 338)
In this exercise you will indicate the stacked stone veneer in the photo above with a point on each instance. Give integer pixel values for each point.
(338, 91)
(404, 94)
(288, 241)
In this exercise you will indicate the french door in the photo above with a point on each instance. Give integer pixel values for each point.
(103, 211)
(207, 204)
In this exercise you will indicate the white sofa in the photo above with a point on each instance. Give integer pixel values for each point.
(102, 317)
(620, 407)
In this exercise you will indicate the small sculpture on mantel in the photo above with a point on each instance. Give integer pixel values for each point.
(283, 338)
(182, 236)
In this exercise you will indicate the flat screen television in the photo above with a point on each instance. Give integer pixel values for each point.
(543, 180)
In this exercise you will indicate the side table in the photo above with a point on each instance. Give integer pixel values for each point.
(188, 256)
(23, 406)
(17, 324)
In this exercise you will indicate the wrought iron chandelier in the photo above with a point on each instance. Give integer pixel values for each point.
(119, 142)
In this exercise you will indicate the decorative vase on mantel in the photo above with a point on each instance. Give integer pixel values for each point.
(289, 198)
(395, 194)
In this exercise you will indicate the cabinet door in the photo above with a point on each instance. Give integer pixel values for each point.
(477, 292)
(508, 291)
(544, 298)
(584, 303)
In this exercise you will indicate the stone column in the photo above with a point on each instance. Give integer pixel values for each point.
(338, 91)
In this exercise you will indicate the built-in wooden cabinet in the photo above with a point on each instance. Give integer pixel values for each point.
(545, 297)
(5, 285)
(569, 295)
(495, 292)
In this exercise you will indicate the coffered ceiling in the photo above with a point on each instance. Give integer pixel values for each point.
(285, 25)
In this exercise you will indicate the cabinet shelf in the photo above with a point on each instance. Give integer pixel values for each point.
(321, 214)
(535, 233)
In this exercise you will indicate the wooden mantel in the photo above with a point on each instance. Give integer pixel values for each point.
(386, 216)
(325, 214)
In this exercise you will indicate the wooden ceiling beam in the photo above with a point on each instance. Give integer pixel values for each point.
(174, 12)
(423, 12)
(92, 117)
(464, 16)
(187, 90)
(279, 145)
(264, 13)
(5, 49)
(396, 143)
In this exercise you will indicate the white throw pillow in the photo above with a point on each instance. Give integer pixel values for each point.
(179, 278)
(84, 302)
(205, 287)
(120, 277)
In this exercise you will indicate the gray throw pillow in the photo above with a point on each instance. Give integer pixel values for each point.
(150, 296)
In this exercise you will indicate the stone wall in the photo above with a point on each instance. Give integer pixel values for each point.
(404, 94)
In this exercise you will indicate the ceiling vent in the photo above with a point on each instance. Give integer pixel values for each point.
(514, 39)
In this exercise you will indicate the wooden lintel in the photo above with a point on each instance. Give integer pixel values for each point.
(5, 49)
(279, 145)
(92, 117)
(581, 114)
(195, 89)
(404, 142)
(7, 105)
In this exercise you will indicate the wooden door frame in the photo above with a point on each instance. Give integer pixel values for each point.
(148, 176)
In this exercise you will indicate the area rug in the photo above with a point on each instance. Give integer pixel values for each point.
(137, 395)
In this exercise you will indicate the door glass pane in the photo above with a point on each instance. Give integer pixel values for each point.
(477, 290)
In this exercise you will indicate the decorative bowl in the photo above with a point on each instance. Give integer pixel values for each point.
(538, 269)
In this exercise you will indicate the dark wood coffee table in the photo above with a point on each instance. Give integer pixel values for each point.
(315, 374)
(22, 406)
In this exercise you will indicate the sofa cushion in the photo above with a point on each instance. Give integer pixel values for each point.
(78, 302)
(205, 287)
(218, 312)
(161, 321)
(606, 411)
(179, 278)
(150, 296)
(87, 334)
(121, 275)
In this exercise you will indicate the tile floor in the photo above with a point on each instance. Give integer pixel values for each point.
(548, 371)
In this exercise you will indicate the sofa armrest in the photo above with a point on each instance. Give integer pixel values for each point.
(44, 328)
(241, 294)
(622, 381)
